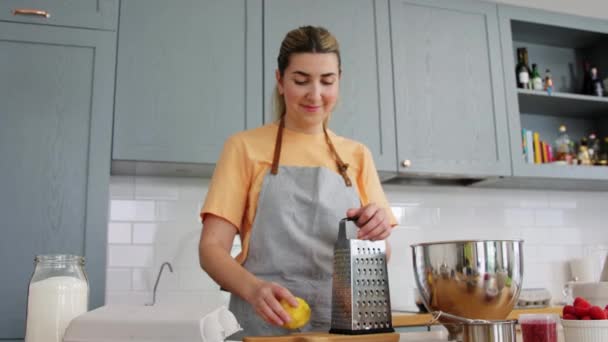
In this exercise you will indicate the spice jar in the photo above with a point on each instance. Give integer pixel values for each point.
(58, 292)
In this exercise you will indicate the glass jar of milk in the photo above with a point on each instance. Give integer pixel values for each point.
(58, 292)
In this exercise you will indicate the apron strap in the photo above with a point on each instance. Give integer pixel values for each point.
(277, 148)
(342, 166)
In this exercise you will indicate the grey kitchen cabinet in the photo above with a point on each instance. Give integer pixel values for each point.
(365, 110)
(56, 95)
(449, 91)
(561, 43)
(95, 14)
(188, 75)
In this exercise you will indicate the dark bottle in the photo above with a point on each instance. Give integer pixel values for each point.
(537, 81)
(597, 87)
(587, 79)
(522, 70)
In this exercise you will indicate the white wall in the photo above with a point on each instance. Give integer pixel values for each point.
(155, 219)
(588, 8)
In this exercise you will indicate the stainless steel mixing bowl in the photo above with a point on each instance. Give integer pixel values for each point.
(473, 279)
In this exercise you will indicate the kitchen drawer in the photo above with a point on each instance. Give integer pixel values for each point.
(96, 14)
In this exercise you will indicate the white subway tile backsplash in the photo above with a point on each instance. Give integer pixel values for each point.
(196, 279)
(549, 217)
(518, 217)
(559, 203)
(143, 278)
(154, 219)
(118, 279)
(567, 236)
(156, 188)
(184, 211)
(130, 256)
(119, 233)
(127, 210)
(538, 236)
(553, 253)
(144, 233)
(420, 216)
(192, 189)
(534, 203)
(122, 187)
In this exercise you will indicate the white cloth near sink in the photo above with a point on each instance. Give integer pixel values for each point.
(119, 323)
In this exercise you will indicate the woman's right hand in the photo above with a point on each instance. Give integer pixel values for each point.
(265, 299)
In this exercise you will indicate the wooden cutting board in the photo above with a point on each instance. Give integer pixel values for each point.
(326, 337)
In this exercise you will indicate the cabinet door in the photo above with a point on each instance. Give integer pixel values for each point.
(56, 87)
(184, 71)
(365, 110)
(449, 91)
(97, 14)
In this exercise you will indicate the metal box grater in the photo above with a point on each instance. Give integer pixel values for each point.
(360, 295)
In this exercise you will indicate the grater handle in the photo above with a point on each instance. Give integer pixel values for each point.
(342, 229)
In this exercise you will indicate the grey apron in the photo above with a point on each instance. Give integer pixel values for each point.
(292, 238)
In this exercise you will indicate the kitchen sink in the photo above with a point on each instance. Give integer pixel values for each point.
(161, 322)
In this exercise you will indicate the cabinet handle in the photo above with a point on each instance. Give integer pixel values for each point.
(32, 12)
(406, 163)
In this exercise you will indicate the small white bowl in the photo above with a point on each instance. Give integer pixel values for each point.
(585, 331)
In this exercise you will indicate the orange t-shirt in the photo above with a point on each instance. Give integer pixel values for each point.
(247, 158)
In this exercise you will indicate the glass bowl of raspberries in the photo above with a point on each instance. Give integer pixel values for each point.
(584, 322)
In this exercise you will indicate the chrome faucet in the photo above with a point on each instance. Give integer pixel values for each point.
(158, 279)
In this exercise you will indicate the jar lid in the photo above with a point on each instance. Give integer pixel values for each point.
(537, 318)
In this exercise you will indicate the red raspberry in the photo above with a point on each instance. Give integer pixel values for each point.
(586, 318)
(581, 302)
(569, 309)
(597, 313)
(581, 311)
(570, 316)
(606, 307)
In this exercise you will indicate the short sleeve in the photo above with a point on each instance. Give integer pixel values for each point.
(227, 195)
(370, 187)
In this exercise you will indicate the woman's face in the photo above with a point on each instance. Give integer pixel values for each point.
(310, 87)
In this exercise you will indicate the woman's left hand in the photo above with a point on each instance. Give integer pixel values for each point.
(373, 222)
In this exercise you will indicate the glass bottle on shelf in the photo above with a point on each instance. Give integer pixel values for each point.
(563, 147)
(604, 153)
(597, 86)
(522, 71)
(537, 81)
(548, 85)
(594, 149)
(583, 152)
(574, 148)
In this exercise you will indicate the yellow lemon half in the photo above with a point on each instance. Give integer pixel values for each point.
(299, 315)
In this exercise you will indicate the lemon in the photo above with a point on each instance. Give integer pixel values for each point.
(299, 315)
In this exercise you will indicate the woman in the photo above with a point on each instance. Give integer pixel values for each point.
(283, 188)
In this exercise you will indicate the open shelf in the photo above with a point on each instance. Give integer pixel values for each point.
(555, 36)
(562, 104)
